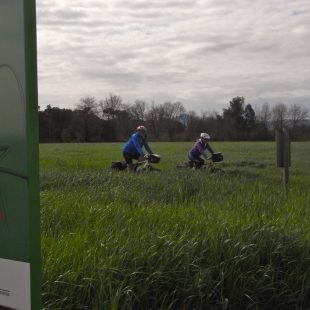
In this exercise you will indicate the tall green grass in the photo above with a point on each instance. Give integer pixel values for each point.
(179, 239)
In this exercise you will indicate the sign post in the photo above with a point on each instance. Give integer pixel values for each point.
(283, 153)
(20, 265)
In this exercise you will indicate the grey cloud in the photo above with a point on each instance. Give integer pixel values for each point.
(301, 100)
(200, 52)
(218, 47)
(62, 14)
(76, 20)
(107, 75)
(152, 4)
(296, 13)
(48, 4)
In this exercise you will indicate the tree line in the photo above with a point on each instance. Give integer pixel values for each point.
(113, 120)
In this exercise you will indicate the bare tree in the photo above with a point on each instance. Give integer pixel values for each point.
(206, 114)
(85, 118)
(152, 118)
(88, 104)
(109, 106)
(297, 114)
(264, 123)
(173, 110)
(169, 115)
(264, 114)
(113, 120)
(138, 110)
(192, 124)
(279, 115)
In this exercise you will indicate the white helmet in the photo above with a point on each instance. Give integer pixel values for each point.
(141, 128)
(205, 136)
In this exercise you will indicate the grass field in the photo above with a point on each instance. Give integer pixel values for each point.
(178, 239)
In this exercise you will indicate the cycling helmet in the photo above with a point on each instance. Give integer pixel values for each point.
(205, 136)
(141, 128)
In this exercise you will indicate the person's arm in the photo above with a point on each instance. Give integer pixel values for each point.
(147, 146)
(204, 154)
(136, 143)
(209, 148)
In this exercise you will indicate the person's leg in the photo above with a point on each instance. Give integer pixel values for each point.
(128, 159)
(191, 160)
(131, 167)
(201, 162)
(198, 162)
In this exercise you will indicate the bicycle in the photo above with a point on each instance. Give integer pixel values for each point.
(139, 166)
(208, 165)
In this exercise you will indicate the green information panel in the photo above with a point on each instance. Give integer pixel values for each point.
(19, 202)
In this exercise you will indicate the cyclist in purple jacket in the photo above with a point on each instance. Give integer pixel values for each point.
(199, 148)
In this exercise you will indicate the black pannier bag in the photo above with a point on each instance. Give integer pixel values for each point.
(216, 157)
(153, 158)
(118, 165)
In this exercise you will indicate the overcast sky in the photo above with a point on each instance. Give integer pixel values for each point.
(199, 52)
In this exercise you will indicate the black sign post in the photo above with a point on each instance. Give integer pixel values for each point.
(20, 259)
(283, 153)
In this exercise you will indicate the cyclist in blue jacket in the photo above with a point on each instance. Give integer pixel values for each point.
(133, 148)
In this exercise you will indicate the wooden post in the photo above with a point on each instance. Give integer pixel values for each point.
(279, 143)
(286, 157)
(283, 153)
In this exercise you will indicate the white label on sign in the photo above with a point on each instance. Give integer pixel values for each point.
(15, 284)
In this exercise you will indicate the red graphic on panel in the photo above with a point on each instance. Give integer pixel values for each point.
(1, 215)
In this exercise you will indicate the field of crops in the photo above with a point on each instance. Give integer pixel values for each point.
(178, 239)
